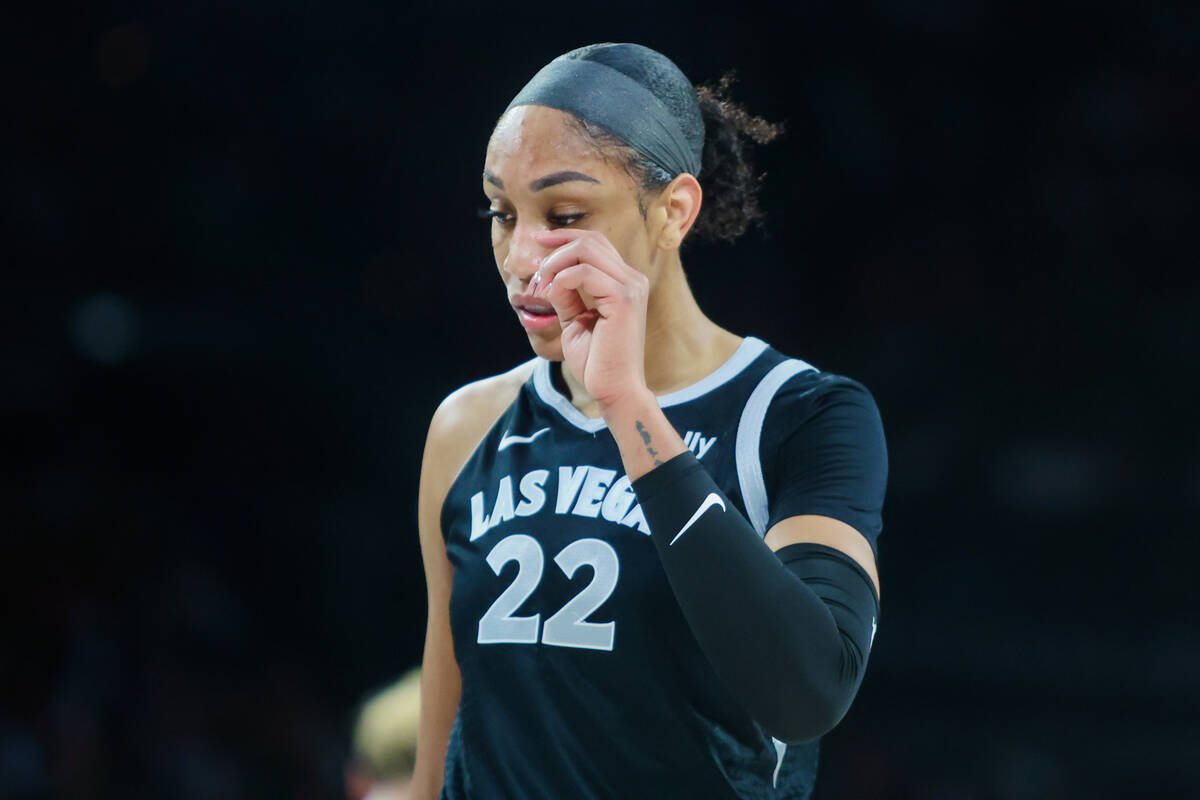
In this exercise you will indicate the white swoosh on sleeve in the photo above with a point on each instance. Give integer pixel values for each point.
(506, 440)
(713, 499)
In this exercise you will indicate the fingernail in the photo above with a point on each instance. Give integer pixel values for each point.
(534, 281)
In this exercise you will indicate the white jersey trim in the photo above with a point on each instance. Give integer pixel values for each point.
(750, 349)
(749, 435)
(780, 752)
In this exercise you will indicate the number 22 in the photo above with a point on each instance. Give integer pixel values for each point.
(568, 627)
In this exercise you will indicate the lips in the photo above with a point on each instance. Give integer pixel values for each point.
(532, 305)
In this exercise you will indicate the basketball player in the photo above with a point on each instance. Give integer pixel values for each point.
(650, 549)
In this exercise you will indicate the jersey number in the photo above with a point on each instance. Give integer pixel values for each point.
(568, 627)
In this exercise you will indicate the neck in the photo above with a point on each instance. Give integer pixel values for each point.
(682, 344)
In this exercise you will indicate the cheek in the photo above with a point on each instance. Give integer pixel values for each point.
(633, 244)
(499, 249)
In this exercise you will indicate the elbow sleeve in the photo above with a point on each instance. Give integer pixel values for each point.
(846, 590)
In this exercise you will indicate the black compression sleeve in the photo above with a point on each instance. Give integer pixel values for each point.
(789, 632)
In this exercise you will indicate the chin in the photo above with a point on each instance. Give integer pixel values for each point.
(548, 347)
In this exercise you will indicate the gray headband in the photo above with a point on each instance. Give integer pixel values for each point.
(611, 99)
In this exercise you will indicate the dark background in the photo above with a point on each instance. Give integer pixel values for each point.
(243, 266)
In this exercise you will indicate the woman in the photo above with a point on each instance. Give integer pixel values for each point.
(724, 498)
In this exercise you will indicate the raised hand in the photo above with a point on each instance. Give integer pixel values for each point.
(604, 346)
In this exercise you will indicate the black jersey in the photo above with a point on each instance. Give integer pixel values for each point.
(580, 676)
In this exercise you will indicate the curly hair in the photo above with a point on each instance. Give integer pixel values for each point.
(727, 174)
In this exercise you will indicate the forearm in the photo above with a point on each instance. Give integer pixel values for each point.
(771, 637)
(706, 574)
(644, 435)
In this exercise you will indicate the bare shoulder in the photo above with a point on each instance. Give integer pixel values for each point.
(462, 420)
(467, 413)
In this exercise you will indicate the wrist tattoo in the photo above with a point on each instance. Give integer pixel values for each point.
(646, 440)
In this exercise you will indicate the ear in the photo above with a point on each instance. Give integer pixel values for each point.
(677, 207)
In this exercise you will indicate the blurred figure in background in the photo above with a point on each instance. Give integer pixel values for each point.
(383, 746)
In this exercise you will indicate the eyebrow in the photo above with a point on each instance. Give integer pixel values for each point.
(563, 176)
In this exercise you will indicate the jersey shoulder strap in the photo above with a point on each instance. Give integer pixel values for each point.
(749, 437)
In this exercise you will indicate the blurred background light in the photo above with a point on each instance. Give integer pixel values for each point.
(105, 328)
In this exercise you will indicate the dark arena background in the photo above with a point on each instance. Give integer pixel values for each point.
(244, 264)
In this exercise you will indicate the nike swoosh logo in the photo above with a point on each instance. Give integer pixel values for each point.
(713, 499)
(506, 440)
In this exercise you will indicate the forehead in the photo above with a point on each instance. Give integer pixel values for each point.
(535, 138)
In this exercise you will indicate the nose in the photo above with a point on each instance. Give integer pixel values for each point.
(524, 253)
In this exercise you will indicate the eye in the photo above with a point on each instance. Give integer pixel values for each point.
(491, 213)
(560, 220)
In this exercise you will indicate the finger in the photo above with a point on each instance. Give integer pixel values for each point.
(566, 290)
(574, 246)
(582, 246)
(560, 236)
(567, 303)
(586, 251)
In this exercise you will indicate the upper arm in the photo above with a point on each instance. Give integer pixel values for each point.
(458, 425)
(829, 532)
(435, 482)
(829, 472)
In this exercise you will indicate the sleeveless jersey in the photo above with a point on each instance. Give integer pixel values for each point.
(580, 676)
